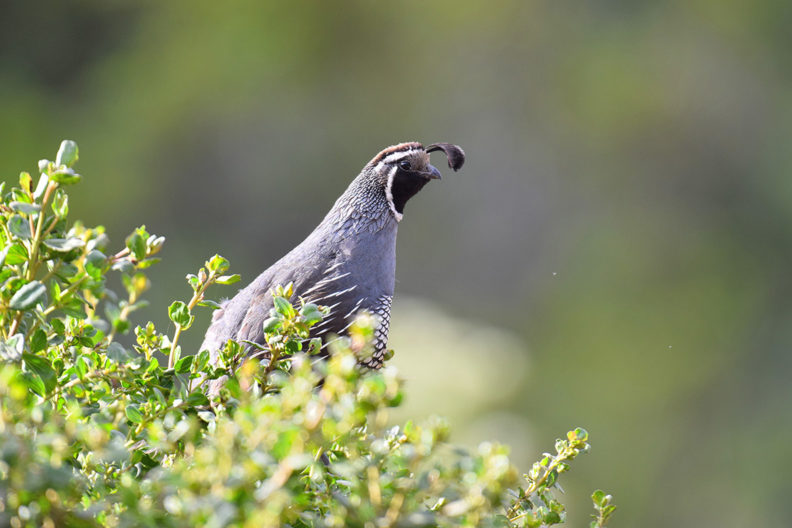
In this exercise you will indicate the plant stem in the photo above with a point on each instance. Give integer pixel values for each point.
(536, 484)
(88, 375)
(52, 272)
(196, 298)
(393, 511)
(34, 249)
(33, 262)
(273, 360)
(15, 324)
(123, 315)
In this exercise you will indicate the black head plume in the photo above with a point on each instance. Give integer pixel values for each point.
(456, 156)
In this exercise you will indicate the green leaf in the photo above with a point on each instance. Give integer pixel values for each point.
(60, 203)
(147, 263)
(293, 346)
(41, 367)
(284, 443)
(19, 227)
(207, 416)
(210, 303)
(201, 360)
(228, 279)
(311, 314)
(197, 398)
(81, 366)
(271, 325)
(315, 346)
(28, 296)
(65, 176)
(283, 307)
(25, 208)
(597, 497)
(4, 254)
(552, 518)
(58, 326)
(217, 264)
(578, 435)
(183, 365)
(67, 271)
(133, 414)
(25, 181)
(5, 274)
(180, 314)
(117, 353)
(34, 383)
(193, 281)
(64, 245)
(95, 264)
(136, 242)
(551, 478)
(68, 153)
(124, 266)
(38, 341)
(17, 254)
(396, 400)
(153, 365)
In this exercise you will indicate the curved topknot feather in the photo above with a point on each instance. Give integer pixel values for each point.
(455, 154)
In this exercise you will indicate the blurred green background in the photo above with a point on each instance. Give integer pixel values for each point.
(614, 255)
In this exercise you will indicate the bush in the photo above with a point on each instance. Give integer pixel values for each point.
(94, 433)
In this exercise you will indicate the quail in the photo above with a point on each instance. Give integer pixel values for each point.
(348, 262)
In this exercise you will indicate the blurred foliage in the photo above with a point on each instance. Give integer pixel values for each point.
(93, 433)
(624, 212)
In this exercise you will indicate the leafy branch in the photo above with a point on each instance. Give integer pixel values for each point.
(96, 433)
(181, 313)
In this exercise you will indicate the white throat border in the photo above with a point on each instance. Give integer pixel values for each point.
(389, 194)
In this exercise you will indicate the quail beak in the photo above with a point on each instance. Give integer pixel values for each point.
(432, 173)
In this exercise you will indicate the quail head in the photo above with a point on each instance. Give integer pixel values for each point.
(348, 262)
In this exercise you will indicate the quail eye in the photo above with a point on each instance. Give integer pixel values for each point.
(405, 165)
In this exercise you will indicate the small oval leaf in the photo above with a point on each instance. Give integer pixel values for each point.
(65, 176)
(64, 245)
(228, 279)
(25, 208)
(68, 153)
(283, 307)
(42, 368)
(133, 414)
(271, 325)
(28, 296)
(183, 365)
(17, 254)
(19, 227)
(179, 313)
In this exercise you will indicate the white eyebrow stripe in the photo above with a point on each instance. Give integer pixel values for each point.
(390, 158)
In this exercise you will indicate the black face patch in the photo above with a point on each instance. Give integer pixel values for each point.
(406, 184)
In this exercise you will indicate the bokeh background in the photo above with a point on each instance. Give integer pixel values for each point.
(614, 255)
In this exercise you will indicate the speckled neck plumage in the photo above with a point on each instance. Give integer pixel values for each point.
(362, 207)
